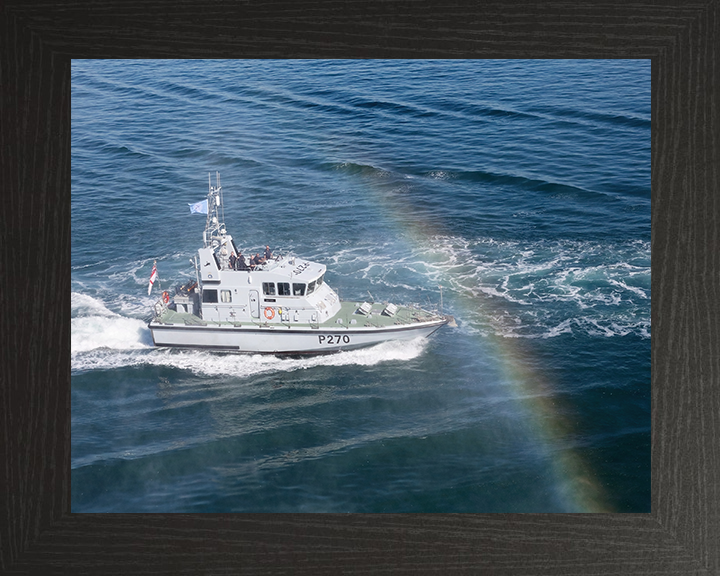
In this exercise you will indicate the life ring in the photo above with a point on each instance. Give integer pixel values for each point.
(269, 313)
(166, 297)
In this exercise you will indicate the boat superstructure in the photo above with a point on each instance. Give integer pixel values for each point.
(280, 306)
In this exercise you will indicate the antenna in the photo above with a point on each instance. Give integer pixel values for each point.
(208, 217)
(222, 202)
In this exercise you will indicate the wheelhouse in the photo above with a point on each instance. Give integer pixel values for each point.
(292, 288)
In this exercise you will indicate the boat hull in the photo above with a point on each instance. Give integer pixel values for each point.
(283, 340)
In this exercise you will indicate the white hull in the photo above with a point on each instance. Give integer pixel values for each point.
(284, 340)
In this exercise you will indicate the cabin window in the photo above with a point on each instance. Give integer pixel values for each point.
(225, 296)
(298, 289)
(283, 289)
(209, 296)
(320, 281)
(269, 288)
(311, 287)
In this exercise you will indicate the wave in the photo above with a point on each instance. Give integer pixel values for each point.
(356, 169)
(588, 326)
(541, 288)
(508, 288)
(93, 326)
(533, 113)
(92, 333)
(513, 182)
(592, 116)
(394, 108)
(122, 343)
(516, 182)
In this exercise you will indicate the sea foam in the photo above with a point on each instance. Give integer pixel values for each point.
(94, 326)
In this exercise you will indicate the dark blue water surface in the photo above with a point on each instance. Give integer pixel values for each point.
(522, 187)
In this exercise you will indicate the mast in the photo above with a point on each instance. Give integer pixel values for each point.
(214, 232)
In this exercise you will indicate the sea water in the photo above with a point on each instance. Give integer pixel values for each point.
(516, 191)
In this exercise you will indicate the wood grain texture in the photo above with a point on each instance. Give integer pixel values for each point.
(39, 535)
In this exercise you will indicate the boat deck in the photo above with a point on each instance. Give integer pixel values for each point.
(347, 317)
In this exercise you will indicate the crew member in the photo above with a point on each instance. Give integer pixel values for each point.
(240, 263)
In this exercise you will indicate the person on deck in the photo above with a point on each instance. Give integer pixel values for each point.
(231, 260)
(268, 253)
(240, 263)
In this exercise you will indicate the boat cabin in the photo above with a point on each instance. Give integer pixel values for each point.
(283, 290)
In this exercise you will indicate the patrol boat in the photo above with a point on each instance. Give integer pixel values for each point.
(282, 306)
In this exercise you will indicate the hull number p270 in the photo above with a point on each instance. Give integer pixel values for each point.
(333, 339)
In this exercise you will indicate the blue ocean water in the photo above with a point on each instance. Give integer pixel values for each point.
(521, 187)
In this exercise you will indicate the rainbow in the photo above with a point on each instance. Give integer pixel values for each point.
(541, 406)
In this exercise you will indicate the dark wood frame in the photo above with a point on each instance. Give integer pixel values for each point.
(38, 534)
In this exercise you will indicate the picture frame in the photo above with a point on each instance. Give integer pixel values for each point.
(39, 534)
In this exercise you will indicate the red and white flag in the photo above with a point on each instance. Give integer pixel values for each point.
(153, 277)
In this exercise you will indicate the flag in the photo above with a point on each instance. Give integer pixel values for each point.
(199, 207)
(153, 277)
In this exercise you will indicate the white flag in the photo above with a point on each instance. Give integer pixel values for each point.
(153, 277)
(199, 207)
